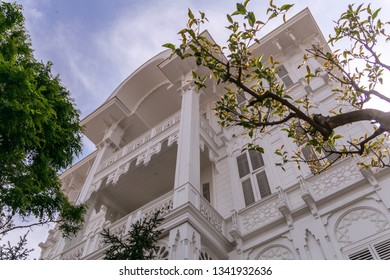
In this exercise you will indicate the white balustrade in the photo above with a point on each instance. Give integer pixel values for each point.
(142, 140)
(211, 215)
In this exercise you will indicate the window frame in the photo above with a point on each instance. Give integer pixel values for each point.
(368, 244)
(252, 177)
(309, 153)
(285, 78)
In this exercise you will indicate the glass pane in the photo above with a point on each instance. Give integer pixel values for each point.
(329, 156)
(243, 166)
(282, 71)
(240, 98)
(310, 156)
(263, 185)
(287, 81)
(256, 159)
(206, 191)
(248, 192)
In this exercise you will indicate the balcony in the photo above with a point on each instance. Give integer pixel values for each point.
(141, 149)
(92, 246)
(165, 129)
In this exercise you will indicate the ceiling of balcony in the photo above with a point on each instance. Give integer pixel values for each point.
(142, 183)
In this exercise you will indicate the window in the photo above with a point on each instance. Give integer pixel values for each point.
(309, 153)
(206, 191)
(284, 76)
(379, 251)
(253, 177)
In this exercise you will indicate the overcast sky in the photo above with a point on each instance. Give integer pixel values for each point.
(96, 44)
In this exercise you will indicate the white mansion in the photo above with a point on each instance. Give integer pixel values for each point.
(159, 147)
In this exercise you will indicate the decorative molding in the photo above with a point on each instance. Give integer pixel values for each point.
(144, 138)
(263, 214)
(373, 196)
(113, 177)
(119, 230)
(201, 143)
(307, 197)
(161, 252)
(276, 252)
(369, 175)
(325, 218)
(110, 161)
(75, 254)
(235, 232)
(165, 207)
(94, 188)
(283, 208)
(122, 170)
(147, 154)
(359, 223)
(173, 138)
(211, 217)
(335, 179)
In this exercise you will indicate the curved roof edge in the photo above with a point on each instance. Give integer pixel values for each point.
(157, 58)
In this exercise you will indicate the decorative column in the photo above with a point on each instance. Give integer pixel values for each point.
(111, 139)
(187, 175)
(184, 243)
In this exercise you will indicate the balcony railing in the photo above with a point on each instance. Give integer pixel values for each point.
(164, 204)
(279, 206)
(211, 215)
(142, 140)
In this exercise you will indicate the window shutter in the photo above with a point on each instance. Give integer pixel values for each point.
(248, 192)
(243, 166)
(283, 74)
(362, 255)
(263, 185)
(256, 159)
(383, 250)
(309, 155)
(329, 156)
(240, 98)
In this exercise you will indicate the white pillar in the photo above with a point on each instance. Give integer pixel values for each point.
(187, 176)
(111, 139)
(184, 243)
(91, 173)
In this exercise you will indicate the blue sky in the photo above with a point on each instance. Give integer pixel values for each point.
(96, 44)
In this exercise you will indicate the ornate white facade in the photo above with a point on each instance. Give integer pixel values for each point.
(159, 147)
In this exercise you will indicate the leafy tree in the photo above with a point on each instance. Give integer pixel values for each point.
(267, 102)
(39, 133)
(140, 242)
(15, 252)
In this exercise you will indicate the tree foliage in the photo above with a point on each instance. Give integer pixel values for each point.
(15, 252)
(256, 99)
(39, 133)
(138, 244)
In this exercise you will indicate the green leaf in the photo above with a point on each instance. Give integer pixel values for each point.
(375, 14)
(251, 19)
(241, 9)
(190, 14)
(169, 46)
(286, 7)
(229, 18)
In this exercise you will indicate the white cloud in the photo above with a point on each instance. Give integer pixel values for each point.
(139, 33)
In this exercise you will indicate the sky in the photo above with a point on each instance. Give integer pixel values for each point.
(96, 44)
